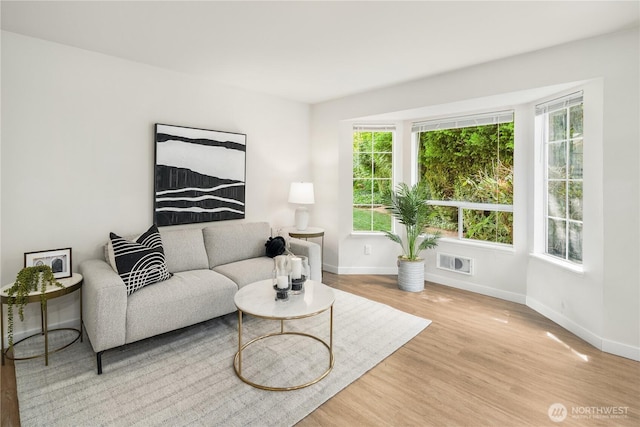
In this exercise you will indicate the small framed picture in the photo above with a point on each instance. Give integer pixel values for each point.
(58, 259)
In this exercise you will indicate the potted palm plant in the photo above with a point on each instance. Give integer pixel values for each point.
(409, 207)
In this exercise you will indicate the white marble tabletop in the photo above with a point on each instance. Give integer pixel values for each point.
(259, 300)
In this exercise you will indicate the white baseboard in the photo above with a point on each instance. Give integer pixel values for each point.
(360, 270)
(460, 284)
(565, 322)
(368, 270)
(608, 346)
(479, 289)
(619, 349)
(330, 268)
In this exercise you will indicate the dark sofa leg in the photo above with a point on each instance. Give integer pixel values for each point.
(99, 361)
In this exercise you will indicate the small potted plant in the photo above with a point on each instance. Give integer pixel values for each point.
(409, 207)
(28, 280)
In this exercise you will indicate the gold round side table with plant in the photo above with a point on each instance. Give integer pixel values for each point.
(36, 284)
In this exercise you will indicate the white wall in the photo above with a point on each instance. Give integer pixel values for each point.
(78, 151)
(602, 303)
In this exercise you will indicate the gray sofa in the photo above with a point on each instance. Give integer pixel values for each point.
(208, 266)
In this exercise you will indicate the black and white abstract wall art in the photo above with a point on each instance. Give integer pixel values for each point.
(199, 175)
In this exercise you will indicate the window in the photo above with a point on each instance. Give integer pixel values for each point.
(372, 177)
(560, 131)
(468, 164)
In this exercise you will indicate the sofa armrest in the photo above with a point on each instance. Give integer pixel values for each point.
(104, 305)
(313, 253)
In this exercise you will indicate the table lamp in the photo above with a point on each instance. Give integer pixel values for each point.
(301, 193)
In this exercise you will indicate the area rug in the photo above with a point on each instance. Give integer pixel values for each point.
(186, 377)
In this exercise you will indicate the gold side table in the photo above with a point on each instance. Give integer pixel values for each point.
(309, 233)
(70, 284)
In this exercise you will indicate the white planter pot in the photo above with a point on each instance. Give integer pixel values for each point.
(411, 275)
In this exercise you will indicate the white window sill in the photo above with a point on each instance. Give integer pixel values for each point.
(367, 233)
(569, 266)
(466, 242)
(480, 244)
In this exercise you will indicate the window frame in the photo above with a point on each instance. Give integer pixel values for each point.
(542, 111)
(493, 116)
(369, 127)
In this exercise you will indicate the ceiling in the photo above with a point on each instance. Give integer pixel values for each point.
(313, 51)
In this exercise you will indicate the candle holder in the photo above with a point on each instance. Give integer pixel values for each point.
(297, 285)
(282, 294)
(281, 282)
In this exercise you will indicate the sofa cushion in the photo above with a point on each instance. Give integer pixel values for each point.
(248, 270)
(187, 298)
(227, 243)
(139, 263)
(184, 249)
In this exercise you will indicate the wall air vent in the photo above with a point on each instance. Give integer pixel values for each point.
(455, 263)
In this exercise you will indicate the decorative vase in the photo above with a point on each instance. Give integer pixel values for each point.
(411, 275)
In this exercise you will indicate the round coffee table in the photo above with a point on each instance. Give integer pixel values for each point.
(258, 300)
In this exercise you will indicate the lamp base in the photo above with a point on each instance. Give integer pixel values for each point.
(302, 218)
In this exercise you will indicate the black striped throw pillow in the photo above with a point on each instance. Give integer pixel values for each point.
(142, 262)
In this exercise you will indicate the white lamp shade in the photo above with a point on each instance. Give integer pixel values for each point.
(301, 193)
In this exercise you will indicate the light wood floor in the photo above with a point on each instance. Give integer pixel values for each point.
(482, 362)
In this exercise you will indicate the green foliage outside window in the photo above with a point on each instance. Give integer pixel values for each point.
(452, 158)
(372, 179)
(472, 164)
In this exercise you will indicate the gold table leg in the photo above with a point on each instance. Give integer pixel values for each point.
(239, 356)
(331, 337)
(45, 331)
